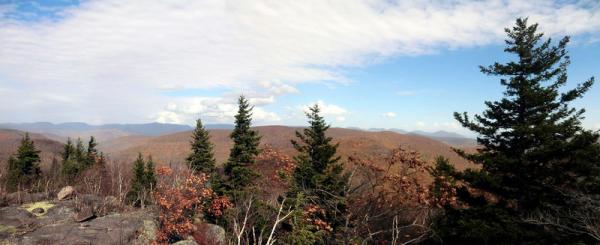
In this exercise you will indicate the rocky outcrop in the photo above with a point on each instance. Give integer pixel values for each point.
(73, 222)
(88, 219)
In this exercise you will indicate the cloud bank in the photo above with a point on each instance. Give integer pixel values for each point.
(110, 60)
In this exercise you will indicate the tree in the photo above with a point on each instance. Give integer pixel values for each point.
(149, 174)
(138, 187)
(319, 175)
(23, 166)
(143, 181)
(534, 149)
(77, 158)
(68, 150)
(245, 148)
(92, 152)
(202, 158)
(80, 152)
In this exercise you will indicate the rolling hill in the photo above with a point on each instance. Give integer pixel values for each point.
(173, 148)
(10, 140)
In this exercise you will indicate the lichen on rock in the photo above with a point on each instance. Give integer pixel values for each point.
(44, 205)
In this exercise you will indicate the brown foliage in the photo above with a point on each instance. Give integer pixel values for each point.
(180, 200)
(391, 202)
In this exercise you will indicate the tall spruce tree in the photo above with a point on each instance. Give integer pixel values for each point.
(202, 158)
(149, 174)
(245, 148)
(144, 179)
(23, 166)
(319, 175)
(68, 150)
(80, 154)
(92, 152)
(534, 149)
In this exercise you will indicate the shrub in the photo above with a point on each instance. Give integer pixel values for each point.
(180, 201)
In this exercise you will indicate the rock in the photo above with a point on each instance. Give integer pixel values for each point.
(85, 213)
(120, 228)
(61, 212)
(65, 192)
(189, 241)
(14, 220)
(210, 234)
(147, 232)
(38, 208)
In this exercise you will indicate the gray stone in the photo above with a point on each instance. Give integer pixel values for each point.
(85, 213)
(65, 192)
(189, 241)
(147, 232)
(211, 234)
(111, 229)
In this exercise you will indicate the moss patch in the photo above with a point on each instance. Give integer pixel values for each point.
(7, 229)
(45, 205)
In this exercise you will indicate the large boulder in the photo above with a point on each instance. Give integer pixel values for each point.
(189, 241)
(210, 234)
(66, 192)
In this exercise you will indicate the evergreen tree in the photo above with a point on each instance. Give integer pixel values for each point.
(149, 174)
(139, 183)
(245, 148)
(319, 174)
(68, 150)
(92, 152)
(201, 159)
(23, 166)
(77, 158)
(534, 149)
(80, 154)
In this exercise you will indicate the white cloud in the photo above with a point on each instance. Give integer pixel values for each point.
(328, 110)
(126, 51)
(211, 110)
(389, 114)
(258, 101)
(279, 88)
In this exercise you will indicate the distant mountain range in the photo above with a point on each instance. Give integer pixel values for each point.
(450, 138)
(141, 129)
(105, 132)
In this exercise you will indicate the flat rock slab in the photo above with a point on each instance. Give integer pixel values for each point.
(62, 223)
(111, 229)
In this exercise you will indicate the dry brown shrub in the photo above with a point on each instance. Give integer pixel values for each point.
(180, 200)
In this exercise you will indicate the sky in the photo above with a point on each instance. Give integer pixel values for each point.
(368, 64)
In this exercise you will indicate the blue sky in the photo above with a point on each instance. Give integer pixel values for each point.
(369, 64)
